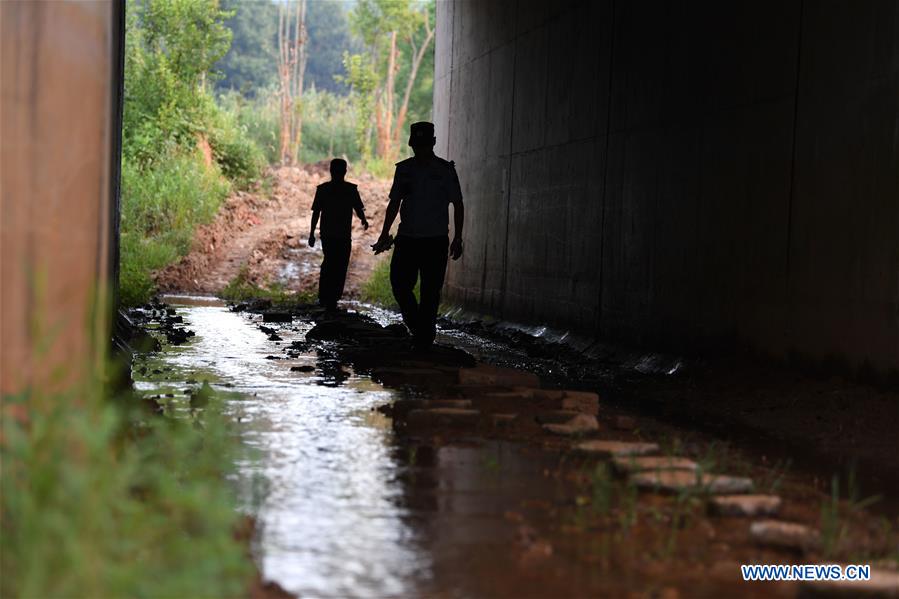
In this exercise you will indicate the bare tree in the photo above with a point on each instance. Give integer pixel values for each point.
(299, 73)
(418, 55)
(286, 59)
(291, 71)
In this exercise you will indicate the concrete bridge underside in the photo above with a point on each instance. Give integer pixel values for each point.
(684, 175)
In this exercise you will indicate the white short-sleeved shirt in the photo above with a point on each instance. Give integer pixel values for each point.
(426, 188)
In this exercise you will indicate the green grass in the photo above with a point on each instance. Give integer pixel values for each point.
(162, 203)
(97, 502)
(241, 290)
(377, 290)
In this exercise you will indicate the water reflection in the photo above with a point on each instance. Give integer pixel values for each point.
(343, 507)
(331, 521)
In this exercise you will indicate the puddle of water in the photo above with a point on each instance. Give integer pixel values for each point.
(346, 509)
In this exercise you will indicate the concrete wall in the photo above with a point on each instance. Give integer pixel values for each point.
(58, 161)
(679, 174)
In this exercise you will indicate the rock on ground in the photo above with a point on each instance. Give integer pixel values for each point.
(676, 481)
(745, 505)
(779, 533)
(609, 449)
(631, 464)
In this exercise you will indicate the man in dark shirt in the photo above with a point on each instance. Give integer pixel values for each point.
(423, 188)
(335, 201)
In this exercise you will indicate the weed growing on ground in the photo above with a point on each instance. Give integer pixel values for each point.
(377, 290)
(162, 203)
(834, 526)
(102, 501)
(240, 289)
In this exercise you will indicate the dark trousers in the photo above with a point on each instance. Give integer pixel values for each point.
(414, 257)
(333, 272)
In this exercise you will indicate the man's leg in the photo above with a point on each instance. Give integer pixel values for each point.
(341, 264)
(403, 274)
(329, 282)
(433, 270)
(324, 277)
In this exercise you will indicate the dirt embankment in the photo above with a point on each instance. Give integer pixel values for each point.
(264, 231)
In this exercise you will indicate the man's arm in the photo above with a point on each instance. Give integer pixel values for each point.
(458, 223)
(360, 210)
(314, 224)
(384, 241)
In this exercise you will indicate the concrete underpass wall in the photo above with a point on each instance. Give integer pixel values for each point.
(679, 174)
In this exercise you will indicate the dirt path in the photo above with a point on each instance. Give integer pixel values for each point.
(262, 234)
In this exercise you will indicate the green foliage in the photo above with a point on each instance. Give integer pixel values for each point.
(373, 21)
(240, 158)
(251, 63)
(170, 47)
(329, 123)
(329, 38)
(362, 79)
(161, 205)
(167, 189)
(258, 117)
(379, 167)
(89, 512)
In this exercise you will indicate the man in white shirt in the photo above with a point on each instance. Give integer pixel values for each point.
(423, 188)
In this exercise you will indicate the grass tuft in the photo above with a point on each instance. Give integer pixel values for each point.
(100, 500)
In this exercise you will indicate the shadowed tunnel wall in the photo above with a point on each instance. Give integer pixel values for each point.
(685, 175)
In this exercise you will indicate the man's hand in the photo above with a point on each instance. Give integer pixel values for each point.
(383, 244)
(456, 248)
(312, 240)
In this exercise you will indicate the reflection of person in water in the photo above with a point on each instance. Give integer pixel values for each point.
(335, 201)
(423, 188)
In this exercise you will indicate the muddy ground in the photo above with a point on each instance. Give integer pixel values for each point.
(262, 234)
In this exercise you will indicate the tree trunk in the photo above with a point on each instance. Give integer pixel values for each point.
(299, 72)
(284, 72)
(385, 132)
(417, 58)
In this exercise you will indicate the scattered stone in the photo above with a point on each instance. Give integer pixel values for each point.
(625, 423)
(634, 463)
(274, 337)
(882, 583)
(784, 534)
(545, 394)
(484, 374)
(519, 394)
(745, 505)
(676, 481)
(443, 416)
(581, 401)
(273, 358)
(449, 403)
(556, 416)
(276, 317)
(611, 449)
(401, 407)
(579, 425)
(303, 368)
(503, 419)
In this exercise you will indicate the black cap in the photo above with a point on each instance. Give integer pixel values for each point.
(421, 131)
